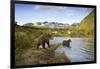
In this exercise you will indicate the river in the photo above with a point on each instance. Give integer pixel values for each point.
(82, 49)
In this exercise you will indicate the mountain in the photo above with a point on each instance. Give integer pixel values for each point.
(87, 24)
(28, 24)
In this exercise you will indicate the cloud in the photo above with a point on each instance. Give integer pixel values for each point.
(70, 14)
(44, 7)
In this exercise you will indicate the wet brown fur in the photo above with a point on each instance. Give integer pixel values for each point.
(43, 39)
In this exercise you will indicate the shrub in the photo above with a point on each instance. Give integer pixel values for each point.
(22, 40)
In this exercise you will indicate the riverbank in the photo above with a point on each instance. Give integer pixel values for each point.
(82, 49)
(35, 56)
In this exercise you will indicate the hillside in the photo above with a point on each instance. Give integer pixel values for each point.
(87, 24)
(85, 28)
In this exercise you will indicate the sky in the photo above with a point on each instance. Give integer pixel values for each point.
(30, 13)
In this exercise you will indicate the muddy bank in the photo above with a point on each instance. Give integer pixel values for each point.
(34, 56)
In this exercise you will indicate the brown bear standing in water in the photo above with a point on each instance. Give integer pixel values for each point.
(67, 43)
(44, 39)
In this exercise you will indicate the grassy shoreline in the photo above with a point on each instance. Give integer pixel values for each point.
(33, 56)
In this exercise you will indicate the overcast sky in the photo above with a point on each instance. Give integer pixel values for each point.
(25, 13)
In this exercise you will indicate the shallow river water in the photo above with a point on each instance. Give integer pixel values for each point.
(82, 49)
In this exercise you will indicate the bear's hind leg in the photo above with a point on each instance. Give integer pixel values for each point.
(43, 45)
(48, 44)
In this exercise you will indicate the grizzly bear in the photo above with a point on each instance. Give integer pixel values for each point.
(67, 43)
(44, 39)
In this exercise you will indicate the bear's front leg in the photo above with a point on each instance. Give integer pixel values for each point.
(38, 45)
